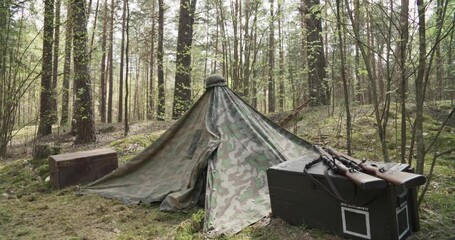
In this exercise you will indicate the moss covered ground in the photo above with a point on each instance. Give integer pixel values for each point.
(31, 209)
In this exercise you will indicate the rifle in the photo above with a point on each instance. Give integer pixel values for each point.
(397, 178)
(364, 181)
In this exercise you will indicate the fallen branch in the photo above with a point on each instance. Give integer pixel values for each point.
(286, 122)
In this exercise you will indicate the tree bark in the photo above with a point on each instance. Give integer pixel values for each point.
(46, 113)
(95, 21)
(403, 79)
(182, 91)
(236, 85)
(254, 99)
(111, 64)
(281, 97)
(358, 85)
(420, 147)
(55, 61)
(247, 52)
(343, 77)
(271, 63)
(127, 127)
(150, 99)
(161, 108)
(84, 112)
(122, 58)
(318, 87)
(103, 66)
(67, 68)
(304, 53)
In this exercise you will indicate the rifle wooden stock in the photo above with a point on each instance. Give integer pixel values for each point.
(397, 178)
(364, 181)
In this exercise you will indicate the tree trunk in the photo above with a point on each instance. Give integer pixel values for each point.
(247, 52)
(271, 63)
(122, 57)
(151, 66)
(450, 72)
(46, 113)
(225, 49)
(304, 53)
(137, 96)
(127, 127)
(214, 61)
(67, 68)
(111, 64)
(439, 61)
(403, 79)
(254, 100)
(182, 91)
(55, 61)
(318, 87)
(358, 86)
(235, 63)
(343, 77)
(161, 108)
(95, 21)
(103, 67)
(84, 112)
(420, 148)
(281, 74)
(389, 74)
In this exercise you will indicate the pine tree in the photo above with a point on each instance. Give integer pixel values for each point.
(182, 92)
(84, 117)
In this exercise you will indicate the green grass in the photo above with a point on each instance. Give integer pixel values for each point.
(135, 143)
(31, 209)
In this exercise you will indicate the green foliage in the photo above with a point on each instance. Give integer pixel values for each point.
(135, 143)
(23, 178)
(18, 66)
(438, 208)
(192, 227)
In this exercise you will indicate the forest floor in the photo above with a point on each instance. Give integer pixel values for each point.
(31, 209)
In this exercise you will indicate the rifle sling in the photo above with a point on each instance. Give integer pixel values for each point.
(332, 185)
(333, 192)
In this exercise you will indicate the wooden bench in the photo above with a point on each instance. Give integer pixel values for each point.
(81, 167)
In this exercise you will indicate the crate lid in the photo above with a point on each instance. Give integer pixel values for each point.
(297, 166)
(82, 154)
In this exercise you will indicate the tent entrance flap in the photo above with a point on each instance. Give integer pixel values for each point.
(202, 185)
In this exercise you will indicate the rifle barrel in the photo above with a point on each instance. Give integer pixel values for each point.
(364, 181)
(397, 178)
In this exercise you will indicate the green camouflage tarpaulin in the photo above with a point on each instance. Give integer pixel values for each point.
(222, 144)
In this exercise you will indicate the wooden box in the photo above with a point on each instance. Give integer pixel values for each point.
(81, 167)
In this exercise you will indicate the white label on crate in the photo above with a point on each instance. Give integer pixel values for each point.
(354, 206)
(402, 210)
(356, 221)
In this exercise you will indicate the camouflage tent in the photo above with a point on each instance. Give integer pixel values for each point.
(219, 149)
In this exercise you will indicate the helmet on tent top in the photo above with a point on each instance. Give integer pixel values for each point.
(215, 80)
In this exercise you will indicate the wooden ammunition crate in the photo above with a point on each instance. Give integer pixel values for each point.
(81, 167)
